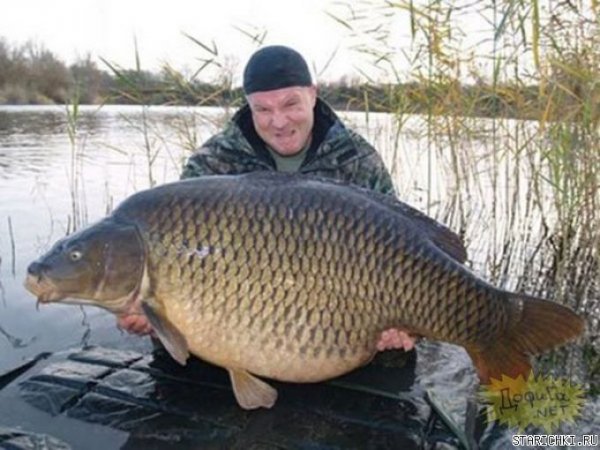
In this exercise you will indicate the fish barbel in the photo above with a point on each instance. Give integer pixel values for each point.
(292, 278)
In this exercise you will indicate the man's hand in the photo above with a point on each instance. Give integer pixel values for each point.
(134, 321)
(395, 339)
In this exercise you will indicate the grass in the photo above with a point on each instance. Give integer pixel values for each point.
(525, 193)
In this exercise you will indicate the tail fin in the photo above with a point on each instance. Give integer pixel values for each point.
(536, 326)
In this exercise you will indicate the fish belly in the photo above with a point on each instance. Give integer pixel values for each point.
(300, 355)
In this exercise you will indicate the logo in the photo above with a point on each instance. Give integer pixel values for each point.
(537, 401)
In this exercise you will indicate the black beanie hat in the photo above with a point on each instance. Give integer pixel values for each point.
(275, 67)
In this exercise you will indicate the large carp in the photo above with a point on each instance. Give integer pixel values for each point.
(292, 278)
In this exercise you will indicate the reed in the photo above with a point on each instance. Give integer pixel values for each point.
(13, 252)
(78, 216)
(532, 185)
(173, 87)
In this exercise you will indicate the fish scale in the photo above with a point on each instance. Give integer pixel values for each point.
(295, 278)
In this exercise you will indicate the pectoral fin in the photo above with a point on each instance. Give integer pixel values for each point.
(171, 337)
(251, 392)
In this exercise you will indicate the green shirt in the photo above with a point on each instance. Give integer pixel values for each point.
(289, 163)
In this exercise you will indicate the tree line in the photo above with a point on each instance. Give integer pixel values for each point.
(31, 74)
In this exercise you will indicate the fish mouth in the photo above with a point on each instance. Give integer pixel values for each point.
(46, 291)
(43, 289)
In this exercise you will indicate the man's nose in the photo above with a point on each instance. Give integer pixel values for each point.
(279, 119)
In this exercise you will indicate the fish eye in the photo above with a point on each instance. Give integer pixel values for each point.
(75, 255)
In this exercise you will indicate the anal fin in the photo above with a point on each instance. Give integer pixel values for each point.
(251, 392)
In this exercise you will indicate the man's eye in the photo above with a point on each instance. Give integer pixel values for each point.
(75, 255)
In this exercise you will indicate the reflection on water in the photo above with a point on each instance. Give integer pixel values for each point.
(14, 341)
(516, 238)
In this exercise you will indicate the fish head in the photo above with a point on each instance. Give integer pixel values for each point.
(102, 265)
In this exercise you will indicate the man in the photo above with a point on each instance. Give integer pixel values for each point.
(285, 127)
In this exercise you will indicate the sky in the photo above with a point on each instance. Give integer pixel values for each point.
(106, 28)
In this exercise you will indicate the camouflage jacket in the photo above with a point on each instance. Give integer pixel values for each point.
(336, 152)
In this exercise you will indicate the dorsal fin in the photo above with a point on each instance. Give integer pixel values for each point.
(444, 238)
(440, 235)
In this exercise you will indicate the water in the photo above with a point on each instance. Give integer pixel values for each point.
(51, 184)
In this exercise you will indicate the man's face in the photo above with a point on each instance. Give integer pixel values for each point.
(284, 118)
